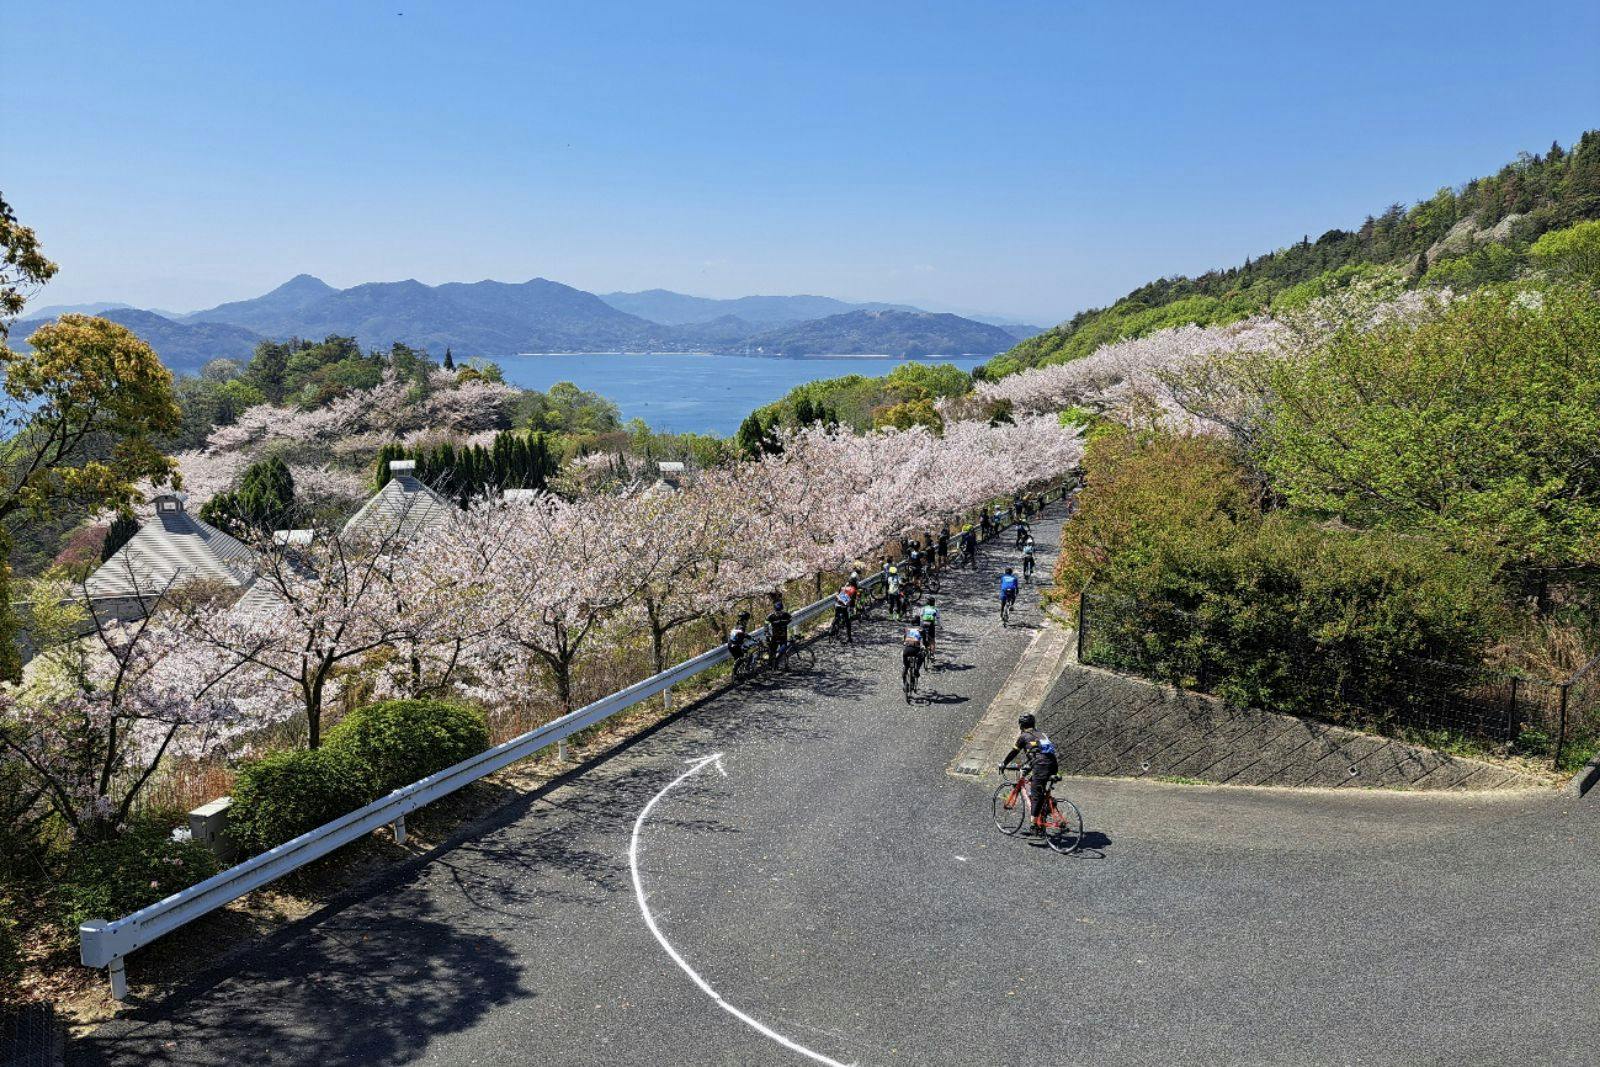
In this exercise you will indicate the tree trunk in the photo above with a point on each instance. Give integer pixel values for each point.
(10, 658)
(314, 713)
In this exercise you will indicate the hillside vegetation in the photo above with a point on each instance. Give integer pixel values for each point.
(1469, 235)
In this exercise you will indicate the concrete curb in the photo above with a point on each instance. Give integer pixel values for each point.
(1025, 689)
(1584, 780)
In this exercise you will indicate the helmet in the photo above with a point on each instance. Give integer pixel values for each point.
(744, 616)
(930, 600)
(1025, 721)
(1008, 570)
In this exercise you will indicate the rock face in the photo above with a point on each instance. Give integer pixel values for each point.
(1466, 235)
(1112, 725)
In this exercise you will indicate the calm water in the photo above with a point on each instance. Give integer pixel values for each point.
(680, 393)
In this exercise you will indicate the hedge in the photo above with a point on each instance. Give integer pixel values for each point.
(285, 794)
(403, 741)
(141, 865)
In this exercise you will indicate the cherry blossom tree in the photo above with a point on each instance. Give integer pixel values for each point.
(96, 717)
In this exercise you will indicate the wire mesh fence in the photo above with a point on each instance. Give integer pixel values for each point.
(29, 1036)
(1441, 704)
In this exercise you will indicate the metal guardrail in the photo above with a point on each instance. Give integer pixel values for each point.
(108, 944)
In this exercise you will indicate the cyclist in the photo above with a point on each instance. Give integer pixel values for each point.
(944, 545)
(1042, 766)
(1027, 558)
(853, 587)
(930, 622)
(1022, 532)
(911, 650)
(841, 612)
(739, 639)
(1008, 589)
(969, 546)
(778, 629)
(914, 563)
(891, 583)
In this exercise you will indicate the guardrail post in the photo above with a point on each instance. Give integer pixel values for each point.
(1561, 728)
(561, 751)
(399, 826)
(119, 979)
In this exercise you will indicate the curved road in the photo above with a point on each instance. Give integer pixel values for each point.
(845, 894)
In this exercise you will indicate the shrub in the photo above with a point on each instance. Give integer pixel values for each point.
(139, 866)
(282, 795)
(1195, 584)
(402, 741)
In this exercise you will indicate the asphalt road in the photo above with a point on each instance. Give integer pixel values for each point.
(850, 898)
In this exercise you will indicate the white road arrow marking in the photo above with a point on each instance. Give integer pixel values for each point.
(695, 767)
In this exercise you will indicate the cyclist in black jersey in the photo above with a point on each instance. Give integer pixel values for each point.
(1042, 764)
(778, 628)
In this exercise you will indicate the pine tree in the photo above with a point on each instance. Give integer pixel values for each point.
(120, 532)
(449, 360)
(266, 495)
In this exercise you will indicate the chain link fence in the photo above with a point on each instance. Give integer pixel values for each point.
(29, 1036)
(1440, 704)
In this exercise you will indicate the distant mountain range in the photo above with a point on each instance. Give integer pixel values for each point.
(676, 309)
(490, 318)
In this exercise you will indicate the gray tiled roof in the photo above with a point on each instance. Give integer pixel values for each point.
(402, 507)
(172, 548)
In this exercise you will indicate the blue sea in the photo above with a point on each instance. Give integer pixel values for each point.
(689, 392)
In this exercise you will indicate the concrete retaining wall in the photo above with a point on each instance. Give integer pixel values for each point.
(1113, 725)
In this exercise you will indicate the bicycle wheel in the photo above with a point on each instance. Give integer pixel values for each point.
(1010, 807)
(1005, 612)
(801, 658)
(933, 583)
(1063, 827)
(908, 681)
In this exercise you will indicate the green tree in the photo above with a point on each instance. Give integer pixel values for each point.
(263, 503)
(1477, 426)
(84, 413)
(119, 533)
(1572, 253)
(23, 268)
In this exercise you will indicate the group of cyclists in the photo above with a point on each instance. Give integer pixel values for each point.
(908, 585)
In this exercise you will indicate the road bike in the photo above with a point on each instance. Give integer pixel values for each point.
(1013, 809)
(1027, 568)
(1007, 601)
(909, 673)
(838, 627)
(758, 656)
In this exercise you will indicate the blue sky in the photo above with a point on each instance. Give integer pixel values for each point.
(1021, 156)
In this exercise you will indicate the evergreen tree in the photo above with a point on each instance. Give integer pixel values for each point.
(449, 360)
(266, 493)
(121, 531)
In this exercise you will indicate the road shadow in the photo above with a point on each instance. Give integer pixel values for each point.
(374, 987)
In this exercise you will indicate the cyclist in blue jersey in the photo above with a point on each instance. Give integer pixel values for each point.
(1008, 588)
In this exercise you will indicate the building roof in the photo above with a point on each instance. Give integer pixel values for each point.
(172, 548)
(403, 507)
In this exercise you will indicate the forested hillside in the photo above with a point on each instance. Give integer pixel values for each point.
(1465, 236)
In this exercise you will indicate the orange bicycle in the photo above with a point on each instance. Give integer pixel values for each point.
(1013, 809)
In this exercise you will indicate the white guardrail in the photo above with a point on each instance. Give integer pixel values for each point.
(108, 944)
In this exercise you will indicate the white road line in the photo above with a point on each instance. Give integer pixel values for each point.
(695, 767)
